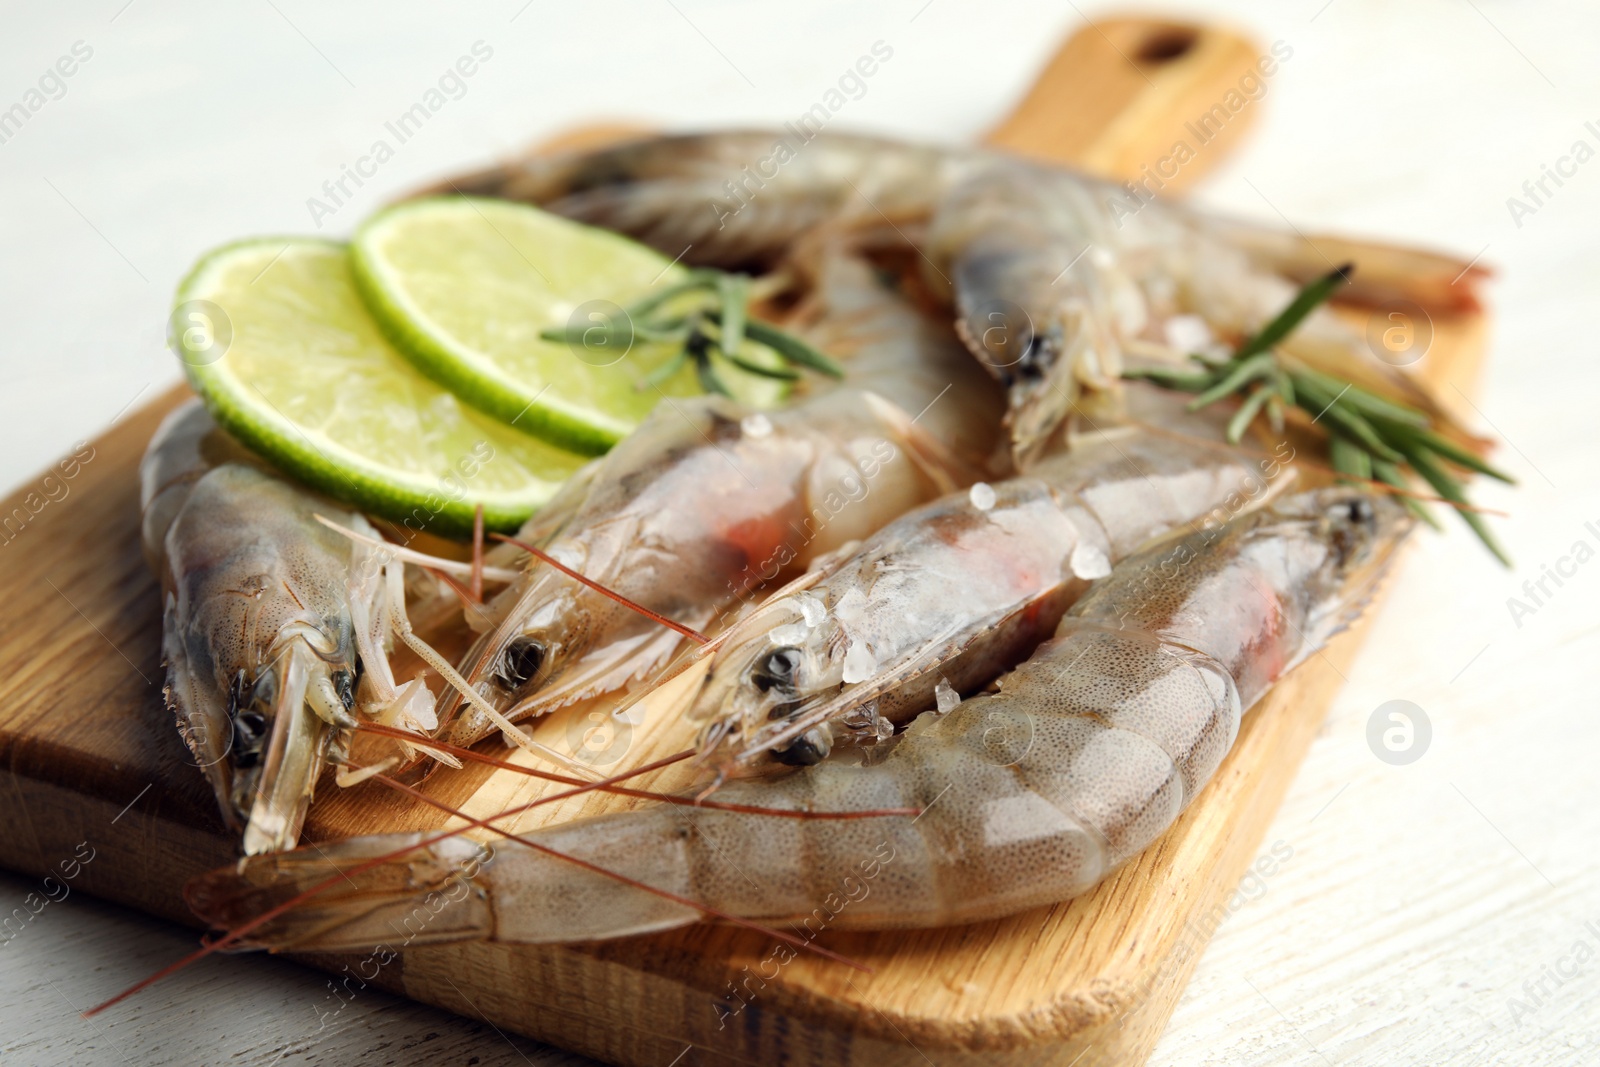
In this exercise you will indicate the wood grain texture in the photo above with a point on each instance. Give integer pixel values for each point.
(89, 754)
(1122, 93)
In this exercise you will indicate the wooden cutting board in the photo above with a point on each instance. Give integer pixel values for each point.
(88, 754)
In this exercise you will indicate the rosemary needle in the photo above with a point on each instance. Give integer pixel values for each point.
(1370, 437)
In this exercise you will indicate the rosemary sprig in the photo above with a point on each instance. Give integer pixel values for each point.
(706, 314)
(1370, 438)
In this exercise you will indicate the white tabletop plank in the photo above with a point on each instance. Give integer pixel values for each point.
(1432, 913)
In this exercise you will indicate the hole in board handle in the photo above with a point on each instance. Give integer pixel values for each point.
(1165, 45)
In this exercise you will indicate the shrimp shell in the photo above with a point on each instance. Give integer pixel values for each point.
(687, 517)
(265, 614)
(1030, 796)
(958, 590)
(1052, 274)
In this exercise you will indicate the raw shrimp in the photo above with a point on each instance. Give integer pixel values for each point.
(736, 198)
(1052, 275)
(1032, 795)
(958, 590)
(702, 504)
(890, 346)
(266, 612)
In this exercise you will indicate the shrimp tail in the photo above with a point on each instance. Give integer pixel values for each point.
(567, 883)
(415, 896)
(1383, 272)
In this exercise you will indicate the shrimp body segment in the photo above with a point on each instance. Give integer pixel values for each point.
(687, 516)
(1029, 796)
(957, 591)
(267, 616)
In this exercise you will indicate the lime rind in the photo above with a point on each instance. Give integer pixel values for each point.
(463, 287)
(309, 382)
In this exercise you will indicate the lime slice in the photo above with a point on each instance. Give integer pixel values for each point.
(276, 340)
(465, 286)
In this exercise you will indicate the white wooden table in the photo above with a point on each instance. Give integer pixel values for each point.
(1437, 912)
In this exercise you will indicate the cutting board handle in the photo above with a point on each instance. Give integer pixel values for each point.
(1120, 97)
(1116, 98)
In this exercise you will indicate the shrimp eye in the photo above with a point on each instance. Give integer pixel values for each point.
(776, 669)
(806, 751)
(522, 660)
(344, 683)
(249, 727)
(1360, 511)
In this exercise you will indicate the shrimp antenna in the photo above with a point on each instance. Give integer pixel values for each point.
(421, 559)
(622, 790)
(477, 554)
(239, 933)
(487, 646)
(688, 658)
(1377, 485)
(694, 635)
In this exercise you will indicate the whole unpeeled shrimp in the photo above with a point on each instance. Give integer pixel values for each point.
(958, 590)
(701, 505)
(1032, 795)
(266, 613)
(1053, 275)
(732, 198)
